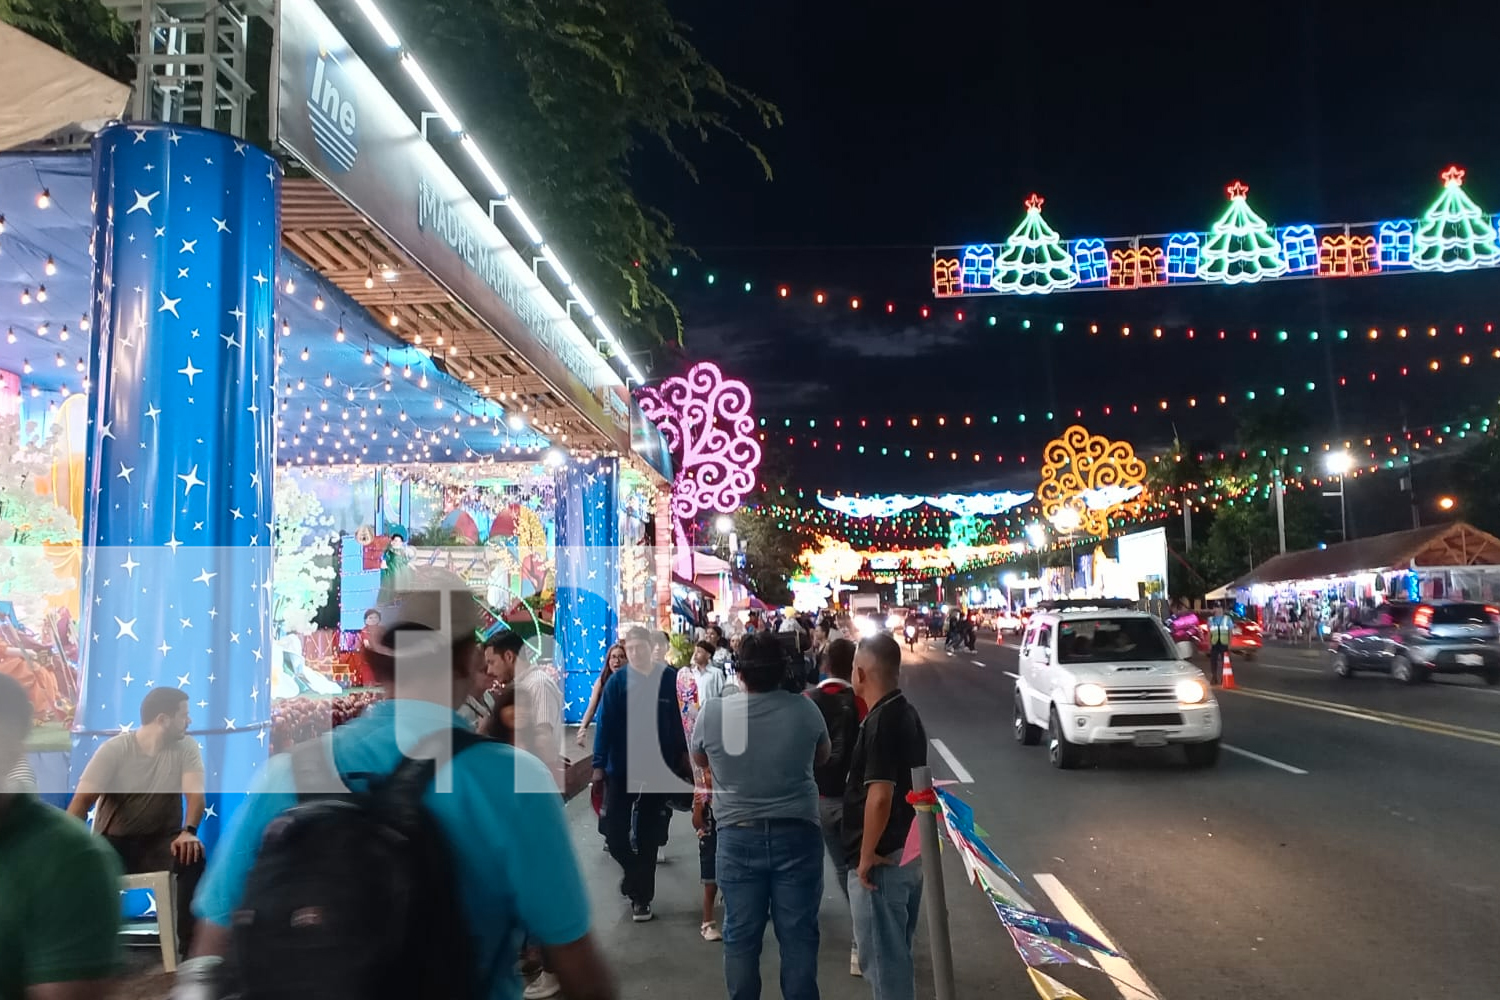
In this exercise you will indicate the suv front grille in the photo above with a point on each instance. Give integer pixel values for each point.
(1158, 719)
(1137, 694)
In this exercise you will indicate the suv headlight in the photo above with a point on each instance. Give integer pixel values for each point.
(1090, 695)
(1191, 692)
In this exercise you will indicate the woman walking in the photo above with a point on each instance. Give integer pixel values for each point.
(613, 660)
(757, 750)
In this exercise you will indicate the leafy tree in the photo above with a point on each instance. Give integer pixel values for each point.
(83, 29)
(771, 551)
(572, 94)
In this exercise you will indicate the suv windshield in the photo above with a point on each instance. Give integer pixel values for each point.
(1097, 640)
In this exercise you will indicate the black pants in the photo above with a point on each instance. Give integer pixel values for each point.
(649, 815)
(152, 852)
(1216, 654)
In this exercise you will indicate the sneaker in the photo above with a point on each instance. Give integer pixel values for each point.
(710, 932)
(854, 963)
(543, 986)
(640, 912)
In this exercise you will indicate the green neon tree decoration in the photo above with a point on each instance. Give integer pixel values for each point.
(1241, 246)
(1034, 260)
(1455, 234)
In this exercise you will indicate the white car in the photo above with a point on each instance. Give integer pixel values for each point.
(1008, 621)
(1097, 673)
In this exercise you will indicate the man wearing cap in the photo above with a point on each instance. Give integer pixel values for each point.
(502, 815)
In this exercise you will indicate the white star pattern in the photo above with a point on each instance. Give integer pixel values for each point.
(129, 680)
(258, 278)
(189, 246)
(142, 202)
(106, 430)
(190, 371)
(127, 629)
(152, 411)
(129, 565)
(204, 577)
(125, 471)
(221, 226)
(182, 679)
(190, 480)
(168, 304)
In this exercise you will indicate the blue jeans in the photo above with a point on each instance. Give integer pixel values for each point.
(771, 868)
(885, 922)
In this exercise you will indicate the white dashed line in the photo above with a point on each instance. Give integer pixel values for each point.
(1012, 674)
(1289, 769)
(1131, 984)
(959, 771)
(978, 663)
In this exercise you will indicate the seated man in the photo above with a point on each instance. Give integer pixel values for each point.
(139, 780)
(60, 907)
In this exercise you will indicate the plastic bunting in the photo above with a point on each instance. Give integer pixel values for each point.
(1037, 938)
(965, 505)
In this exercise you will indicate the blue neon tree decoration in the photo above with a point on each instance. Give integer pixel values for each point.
(1241, 248)
(1454, 234)
(1035, 259)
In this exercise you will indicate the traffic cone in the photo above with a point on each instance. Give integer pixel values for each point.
(1228, 683)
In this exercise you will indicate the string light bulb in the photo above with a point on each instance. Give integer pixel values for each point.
(10, 335)
(63, 333)
(44, 200)
(25, 296)
(369, 355)
(41, 293)
(305, 353)
(339, 333)
(50, 267)
(318, 303)
(291, 286)
(25, 367)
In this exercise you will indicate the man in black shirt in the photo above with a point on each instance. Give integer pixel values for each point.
(884, 896)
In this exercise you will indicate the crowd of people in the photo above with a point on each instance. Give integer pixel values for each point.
(778, 765)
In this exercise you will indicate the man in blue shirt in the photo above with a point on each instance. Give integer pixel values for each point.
(640, 759)
(498, 806)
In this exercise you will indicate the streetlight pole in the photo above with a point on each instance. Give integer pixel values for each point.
(1338, 464)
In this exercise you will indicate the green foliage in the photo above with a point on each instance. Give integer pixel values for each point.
(770, 555)
(680, 650)
(568, 94)
(83, 29)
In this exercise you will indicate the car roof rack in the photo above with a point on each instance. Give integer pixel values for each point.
(1089, 604)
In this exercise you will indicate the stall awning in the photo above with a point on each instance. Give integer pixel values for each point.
(51, 100)
(1457, 544)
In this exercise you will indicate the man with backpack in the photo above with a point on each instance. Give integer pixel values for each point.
(402, 855)
(842, 713)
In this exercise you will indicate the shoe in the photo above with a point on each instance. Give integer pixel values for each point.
(854, 963)
(710, 932)
(543, 986)
(640, 912)
(660, 858)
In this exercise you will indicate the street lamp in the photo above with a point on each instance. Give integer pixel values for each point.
(724, 523)
(1446, 503)
(1036, 533)
(1010, 581)
(1338, 464)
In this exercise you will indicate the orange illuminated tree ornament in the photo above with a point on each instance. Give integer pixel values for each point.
(833, 561)
(1078, 465)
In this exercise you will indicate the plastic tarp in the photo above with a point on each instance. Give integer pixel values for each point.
(51, 99)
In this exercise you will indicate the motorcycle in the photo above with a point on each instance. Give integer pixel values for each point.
(911, 638)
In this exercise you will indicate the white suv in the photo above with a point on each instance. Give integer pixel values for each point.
(1101, 673)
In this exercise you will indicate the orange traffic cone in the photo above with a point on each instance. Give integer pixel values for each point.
(1228, 682)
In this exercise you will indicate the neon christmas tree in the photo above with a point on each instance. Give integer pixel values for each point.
(1455, 234)
(1241, 246)
(1035, 259)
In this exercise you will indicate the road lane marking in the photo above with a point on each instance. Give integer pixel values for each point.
(959, 771)
(1131, 984)
(1011, 673)
(1382, 718)
(978, 663)
(1264, 760)
(1286, 666)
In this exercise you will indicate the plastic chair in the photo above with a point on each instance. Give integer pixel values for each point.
(163, 888)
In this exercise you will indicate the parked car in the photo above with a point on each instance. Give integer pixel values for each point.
(1008, 622)
(1413, 641)
(1103, 673)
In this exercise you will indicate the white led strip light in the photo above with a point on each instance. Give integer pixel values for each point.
(413, 69)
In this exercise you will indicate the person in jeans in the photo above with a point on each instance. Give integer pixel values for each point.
(758, 750)
(640, 759)
(842, 711)
(140, 780)
(884, 895)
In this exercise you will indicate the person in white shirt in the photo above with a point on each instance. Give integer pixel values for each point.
(539, 708)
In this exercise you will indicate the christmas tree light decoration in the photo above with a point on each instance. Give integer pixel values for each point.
(1300, 248)
(1395, 243)
(1035, 259)
(1241, 247)
(1454, 234)
(1078, 464)
(1090, 261)
(1183, 250)
(979, 268)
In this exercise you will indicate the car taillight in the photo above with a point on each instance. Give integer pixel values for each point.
(1423, 617)
(1252, 628)
(1493, 612)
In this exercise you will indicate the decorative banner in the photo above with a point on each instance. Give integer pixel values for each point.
(1455, 234)
(870, 506)
(832, 562)
(988, 504)
(706, 420)
(588, 539)
(1050, 989)
(1079, 462)
(1036, 949)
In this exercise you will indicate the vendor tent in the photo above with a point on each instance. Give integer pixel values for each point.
(50, 99)
(1439, 545)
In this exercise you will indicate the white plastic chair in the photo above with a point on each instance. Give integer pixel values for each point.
(163, 888)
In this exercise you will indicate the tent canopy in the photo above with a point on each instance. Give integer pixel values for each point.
(52, 100)
(1456, 544)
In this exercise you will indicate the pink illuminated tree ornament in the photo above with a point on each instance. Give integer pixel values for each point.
(706, 420)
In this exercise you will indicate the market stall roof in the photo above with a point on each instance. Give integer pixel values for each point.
(51, 99)
(1456, 544)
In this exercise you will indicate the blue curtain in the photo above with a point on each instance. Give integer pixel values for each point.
(587, 616)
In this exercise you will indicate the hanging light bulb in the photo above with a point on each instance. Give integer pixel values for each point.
(349, 394)
(291, 286)
(44, 199)
(25, 296)
(43, 329)
(339, 334)
(440, 340)
(286, 328)
(369, 355)
(394, 320)
(2, 223)
(301, 384)
(50, 267)
(318, 303)
(63, 333)
(370, 277)
(10, 335)
(328, 381)
(386, 370)
(41, 293)
(406, 372)
(59, 360)
(25, 367)
(422, 382)
(305, 353)
(80, 366)
(417, 339)
(387, 385)
(83, 323)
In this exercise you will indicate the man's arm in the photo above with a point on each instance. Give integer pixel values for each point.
(93, 782)
(70, 941)
(877, 815)
(186, 847)
(580, 970)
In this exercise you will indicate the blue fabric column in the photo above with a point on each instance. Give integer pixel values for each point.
(588, 582)
(177, 520)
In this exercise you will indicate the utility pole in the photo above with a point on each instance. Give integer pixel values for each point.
(1280, 509)
(1408, 480)
(1187, 525)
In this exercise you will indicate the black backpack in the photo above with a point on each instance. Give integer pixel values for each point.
(355, 895)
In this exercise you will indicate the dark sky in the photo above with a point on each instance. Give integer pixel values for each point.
(912, 124)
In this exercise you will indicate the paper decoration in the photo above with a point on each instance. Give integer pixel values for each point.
(1076, 464)
(1050, 989)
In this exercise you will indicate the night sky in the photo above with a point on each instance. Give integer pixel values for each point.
(914, 124)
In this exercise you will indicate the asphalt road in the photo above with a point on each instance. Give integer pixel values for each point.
(1348, 845)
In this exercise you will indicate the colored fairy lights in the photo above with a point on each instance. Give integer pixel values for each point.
(1241, 247)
